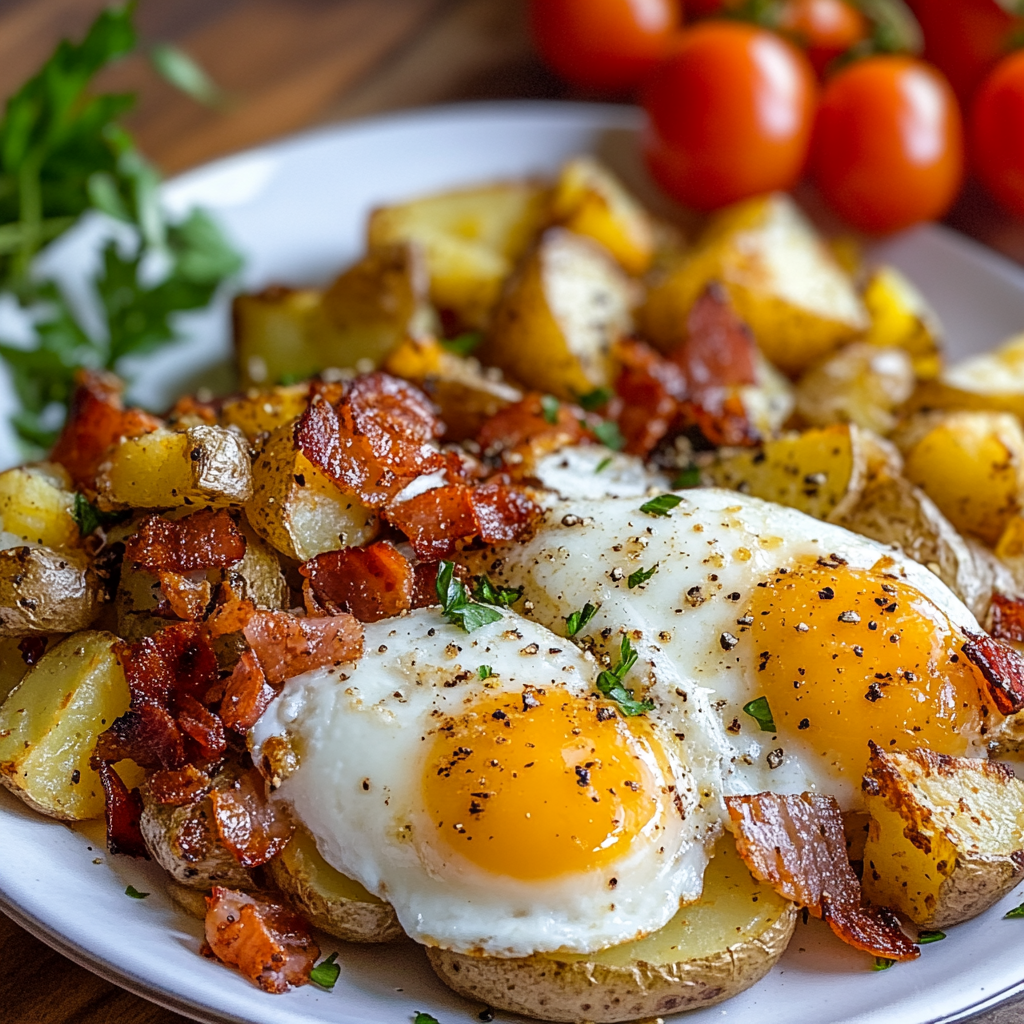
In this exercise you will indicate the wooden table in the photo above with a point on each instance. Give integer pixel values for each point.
(288, 64)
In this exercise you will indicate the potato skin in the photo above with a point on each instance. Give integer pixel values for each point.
(46, 591)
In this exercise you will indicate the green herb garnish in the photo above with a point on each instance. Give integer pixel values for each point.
(425, 1018)
(641, 576)
(287, 379)
(575, 622)
(661, 505)
(608, 433)
(503, 597)
(882, 963)
(134, 893)
(455, 603)
(178, 68)
(603, 464)
(923, 938)
(485, 672)
(689, 477)
(609, 682)
(595, 399)
(462, 344)
(326, 973)
(88, 517)
(760, 711)
(1016, 912)
(549, 406)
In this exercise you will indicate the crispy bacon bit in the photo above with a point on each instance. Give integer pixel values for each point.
(247, 694)
(1007, 615)
(230, 617)
(32, 648)
(124, 809)
(719, 350)
(424, 588)
(523, 428)
(202, 725)
(372, 583)
(1003, 669)
(649, 390)
(721, 418)
(179, 787)
(204, 540)
(269, 943)
(97, 420)
(188, 410)
(436, 520)
(797, 845)
(186, 598)
(287, 645)
(252, 828)
(374, 440)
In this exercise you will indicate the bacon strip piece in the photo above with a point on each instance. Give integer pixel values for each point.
(649, 390)
(269, 943)
(1002, 668)
(1007, 618)
(204, 540)
(124, 809)
(287, 645)
(719, 351)
(185, 598)
(523, 427)
(247, 823)
(181, 787)
(373, 583)
(797, 845)
(247, 694)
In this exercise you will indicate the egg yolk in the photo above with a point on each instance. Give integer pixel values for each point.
(845, 656)
(542, 783)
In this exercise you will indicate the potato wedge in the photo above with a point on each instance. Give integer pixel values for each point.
(710, 951)
(37, 504)
(12, 665)
(49, 725)
(260, 411)
(203, 465)
(296, 509)
(902, 318)
(946, 838)
(276, 335)
(46, 591)
(781, 278)
(471, 238)
(328, 899)
(971, 464)
(556, 322)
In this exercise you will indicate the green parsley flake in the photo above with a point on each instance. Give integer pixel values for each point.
(326, 973)
(575, 622)
(1016, 912)
(424, 1018)
(549, 406)
(603, 464)
(882, 963)
(456, 606)
(462, 344)
(503, 597)
(485, 672)
(661, 505)
(689, 477)
(608, 433)
(923, 938)
(760, 711)
(593, 400)
(641, 576)
(609, 682)
(178, 68)
(134, 893)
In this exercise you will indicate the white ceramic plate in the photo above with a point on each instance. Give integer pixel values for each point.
(297, 210)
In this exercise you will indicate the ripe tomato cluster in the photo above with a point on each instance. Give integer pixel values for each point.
(748, 96)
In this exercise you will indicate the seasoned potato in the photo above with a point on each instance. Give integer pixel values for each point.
(50, 723)
(260, 411)
(559, 316)
(328, 899)
(780, 277)
(277, 334)
(165, 469)
(37, 504)
(589, 200)
(946, 838)
(297, 509)
(971, 464)
(859, 384)
(471, 239)
(46, 591)
(769, 403)
(901, 318)
(12, 665)
(709, 951)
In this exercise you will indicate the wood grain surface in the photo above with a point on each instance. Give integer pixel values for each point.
(286, 65)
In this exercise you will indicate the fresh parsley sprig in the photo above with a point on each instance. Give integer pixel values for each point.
(503, 597)
(760, 711)
(326, 973)
(578, 619)
(456, 606)
(609, 682)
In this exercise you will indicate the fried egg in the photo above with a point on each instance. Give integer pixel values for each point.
(478, 783)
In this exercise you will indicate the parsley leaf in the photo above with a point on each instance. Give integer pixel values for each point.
(88, 517)
(608, 433)
(462, 344)
(134, 893)
(609, 682)
(661, 505)
(923, 938)
(689, 477)
(760, 711)
(326, 973)
(178, 68)
(641, 576)
(882, 963)
(603, 464)
(503, 597)
(485, 672)
(595, 399)
(550, 405)
(456, 606)
(425, 1018)
(577, 620)
(1016, 912)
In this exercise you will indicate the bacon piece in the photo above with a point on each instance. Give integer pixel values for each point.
(32, 648)
(522, 427)
(424, 590)
(1002, 668)
(97, 419)
(149, 735)
(124, 809)
(269, 943)
(247, 823)
(189, 408)
(179, 787)
(204, 540)
(719, 351)
(797, 845)
(185, 598)
(247, 694)
(373, 583)
(721, 418)
(230, 617)
(375, 440)
(1007, 618)
(203, 726)
(287, 645)
(649, 390)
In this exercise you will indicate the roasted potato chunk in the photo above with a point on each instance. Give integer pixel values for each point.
(46, 591)
(901, 318)
(260, 411)
(49, 725)
(559, 316)
(471, 238)
(37, 504)
(277, 335)
(297, 510)
(946, 838)
(203, 465)
(971, 464)
(709, 951)
(780, 277)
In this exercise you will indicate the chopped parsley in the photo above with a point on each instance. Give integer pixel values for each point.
(549, 405)
(485, 672)
(424, 1018)
(608, 433)
(134, 893)
(88, 517)
(456, 606)
(661, 505)
(595, 399)
(603, 464)
(882, 963)
(1016, 912)
(689, 477)
(923, 938)
(503, 597)
(609, 682)
(462, 344)
(286, 380)
(760, 711)
(575, 622)
(178, 68)
(641, 576)
(325, 974)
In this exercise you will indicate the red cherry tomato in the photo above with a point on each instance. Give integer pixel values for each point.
(704, 8)
(824, 28)
(888, 144)
(731, 113)
(997, 133)
(606, 45)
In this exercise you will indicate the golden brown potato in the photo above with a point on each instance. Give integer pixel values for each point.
(902, 318)
(277, 334)
(946, 838)
(710, 951)
(780, 277)
(260, 411)
(559, 316)
(37, 504)
(45, 591)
